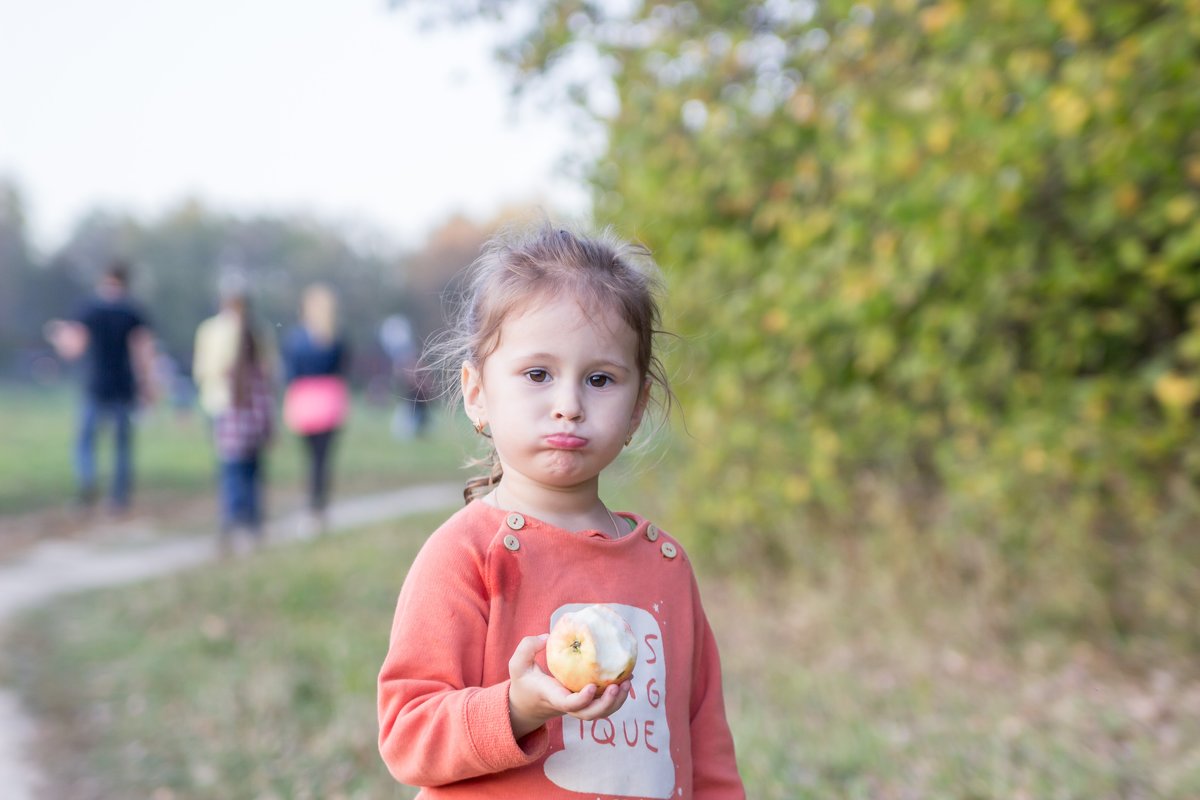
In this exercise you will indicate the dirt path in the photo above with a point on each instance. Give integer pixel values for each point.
(120, 554)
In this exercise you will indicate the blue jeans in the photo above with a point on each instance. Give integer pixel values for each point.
(94, 414)
(240, 492)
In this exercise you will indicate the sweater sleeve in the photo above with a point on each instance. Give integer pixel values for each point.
(203, 368)
(437, 723)
(714, 765)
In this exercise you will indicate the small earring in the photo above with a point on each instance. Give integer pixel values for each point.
(628, 439)
(479, 427)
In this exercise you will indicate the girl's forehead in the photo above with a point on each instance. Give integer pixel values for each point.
(565, 314)
(565, 307)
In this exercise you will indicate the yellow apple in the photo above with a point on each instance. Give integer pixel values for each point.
(591, 645)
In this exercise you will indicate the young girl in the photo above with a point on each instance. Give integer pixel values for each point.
(242, 431)
(557, 367)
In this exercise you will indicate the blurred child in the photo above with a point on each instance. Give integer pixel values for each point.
(556, 362)
(242, 432)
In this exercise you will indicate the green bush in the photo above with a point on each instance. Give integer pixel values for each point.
(935, 268)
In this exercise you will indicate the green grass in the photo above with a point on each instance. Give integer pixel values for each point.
(250, 679)
(256, 679)
(174, 457)
(850, 691)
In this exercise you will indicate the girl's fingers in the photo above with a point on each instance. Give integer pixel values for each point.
(526, 652)
(580, 700)
(618, 697)
(595, 705)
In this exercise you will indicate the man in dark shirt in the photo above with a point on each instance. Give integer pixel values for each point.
(115, 336)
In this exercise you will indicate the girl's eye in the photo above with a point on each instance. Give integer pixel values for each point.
(598, 381)
(537, 375)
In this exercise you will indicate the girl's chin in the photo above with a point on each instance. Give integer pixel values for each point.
(557, 469)
(561, 480)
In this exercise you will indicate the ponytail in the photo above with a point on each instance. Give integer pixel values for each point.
(480, 485)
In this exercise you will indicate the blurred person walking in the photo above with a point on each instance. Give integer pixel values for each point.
(232, 365)
(241, 433)
(316, 400)
(114, 334)
(217, 342)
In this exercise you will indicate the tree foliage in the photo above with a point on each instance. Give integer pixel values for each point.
(176, 261)
(937, 270)
(178, 257)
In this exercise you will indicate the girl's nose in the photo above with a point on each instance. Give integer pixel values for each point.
(567, 405)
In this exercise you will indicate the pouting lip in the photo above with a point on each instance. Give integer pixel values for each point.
(566, 441)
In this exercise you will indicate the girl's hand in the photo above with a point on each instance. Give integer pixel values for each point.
(534, 697)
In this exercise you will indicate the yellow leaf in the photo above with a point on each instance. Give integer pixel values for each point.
(1127, 198)
(1180, 209)
(938, 136)
(1076, 23)
(1068, 111)
(938, 17)
(1175, 391)
(1192, 165)
(884, 245)
(797, 489)
(774, 321)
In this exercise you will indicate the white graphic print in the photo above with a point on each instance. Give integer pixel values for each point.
(628, 753)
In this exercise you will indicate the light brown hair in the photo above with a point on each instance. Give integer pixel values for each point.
(247, 363)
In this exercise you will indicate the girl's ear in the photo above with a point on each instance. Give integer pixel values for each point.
(472, 394)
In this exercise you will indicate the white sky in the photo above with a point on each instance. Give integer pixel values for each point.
(336, 107)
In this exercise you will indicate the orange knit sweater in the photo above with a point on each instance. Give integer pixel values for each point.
(482, 582)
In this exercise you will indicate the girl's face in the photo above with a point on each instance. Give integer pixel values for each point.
(561, 393)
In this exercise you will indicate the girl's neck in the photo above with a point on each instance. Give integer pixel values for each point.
(576, 509)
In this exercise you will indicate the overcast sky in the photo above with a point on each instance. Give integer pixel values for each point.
(336, 107)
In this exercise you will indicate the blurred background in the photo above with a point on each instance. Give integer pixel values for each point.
(934, 267)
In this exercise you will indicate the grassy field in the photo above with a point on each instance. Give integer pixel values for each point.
(256, 680)
(174, 457)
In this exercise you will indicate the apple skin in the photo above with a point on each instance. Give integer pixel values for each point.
(592, 645)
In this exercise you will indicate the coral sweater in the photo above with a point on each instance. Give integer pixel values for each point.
(486, 579)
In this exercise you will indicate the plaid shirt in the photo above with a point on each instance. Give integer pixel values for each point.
(241, 431)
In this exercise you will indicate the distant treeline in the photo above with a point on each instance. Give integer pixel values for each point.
(178, 257)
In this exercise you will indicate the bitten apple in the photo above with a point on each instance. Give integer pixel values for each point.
(591, 645)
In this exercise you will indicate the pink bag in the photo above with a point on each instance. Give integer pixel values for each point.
(315, 404)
